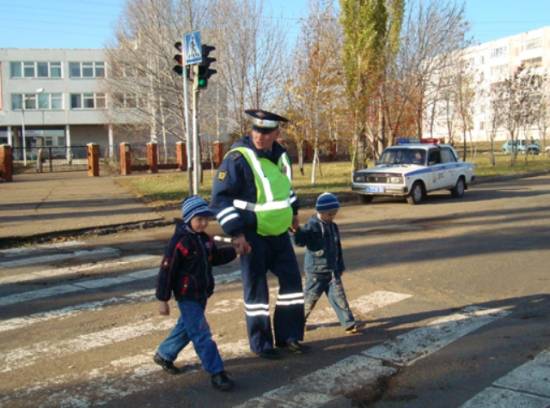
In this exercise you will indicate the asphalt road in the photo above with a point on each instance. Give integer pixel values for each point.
(452, 296)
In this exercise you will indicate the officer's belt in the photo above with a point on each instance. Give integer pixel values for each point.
(272, 205)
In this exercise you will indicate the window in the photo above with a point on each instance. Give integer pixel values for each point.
(88, 100)
(16, 101)
(28, 69)
(30, 101)
(55, 69)
(15, 69)
(130, 101)
(31, 69)
(37, 101)
(57, 101)
(43, 101)
(100, 101)
(534, 43)
(76, 101)
(42, 69)
(100, 69)
(498, 52)
(447, 155)
(434, 157)
(74, 69)
(532, 62)
(87, 69)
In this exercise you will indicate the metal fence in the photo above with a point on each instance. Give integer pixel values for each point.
(51, 158)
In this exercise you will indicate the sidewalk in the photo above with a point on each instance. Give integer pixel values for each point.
(49, 204)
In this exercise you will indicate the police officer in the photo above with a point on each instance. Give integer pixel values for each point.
(255, 205)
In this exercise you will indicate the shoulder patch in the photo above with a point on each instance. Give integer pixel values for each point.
(221, 175)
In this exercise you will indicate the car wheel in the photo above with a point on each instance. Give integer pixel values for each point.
(417, 193)
(365, 199)
(458, 190)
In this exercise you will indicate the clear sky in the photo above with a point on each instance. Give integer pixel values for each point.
(89, 23)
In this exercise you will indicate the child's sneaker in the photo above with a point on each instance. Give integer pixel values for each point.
(222, 382)
(352, 329)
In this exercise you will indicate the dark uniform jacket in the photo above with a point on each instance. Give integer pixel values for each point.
(235, 180)
(186, 268)
(323, 248)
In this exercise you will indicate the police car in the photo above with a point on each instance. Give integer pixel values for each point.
(410, 171)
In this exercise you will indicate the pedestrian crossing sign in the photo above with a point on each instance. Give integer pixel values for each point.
(192, 50)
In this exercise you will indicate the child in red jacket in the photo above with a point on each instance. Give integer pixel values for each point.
(186, 271)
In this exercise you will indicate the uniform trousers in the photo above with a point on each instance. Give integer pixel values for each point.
(275, 254)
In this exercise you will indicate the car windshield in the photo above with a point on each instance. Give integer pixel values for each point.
(403, 156)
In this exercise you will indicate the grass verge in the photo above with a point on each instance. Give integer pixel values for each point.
(169, 188)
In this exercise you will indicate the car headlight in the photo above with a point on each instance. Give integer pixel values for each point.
(395, 180)
(358, 178)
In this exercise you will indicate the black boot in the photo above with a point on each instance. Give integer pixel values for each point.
(296, 348)
(222, 382)
(269, 354)
(166, 365)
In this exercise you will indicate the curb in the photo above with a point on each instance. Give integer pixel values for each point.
(71, 233)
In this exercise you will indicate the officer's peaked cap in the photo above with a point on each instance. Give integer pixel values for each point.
(264, 121)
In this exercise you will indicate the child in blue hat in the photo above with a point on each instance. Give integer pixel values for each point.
(323, 262)
(186, 271)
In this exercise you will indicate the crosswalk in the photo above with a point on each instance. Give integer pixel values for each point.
(98, 348)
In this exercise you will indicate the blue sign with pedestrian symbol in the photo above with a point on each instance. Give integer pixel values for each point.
(192, 50)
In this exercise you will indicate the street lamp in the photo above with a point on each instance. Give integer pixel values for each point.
(40, 143)
(23, 131)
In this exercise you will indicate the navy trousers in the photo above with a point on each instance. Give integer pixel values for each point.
(275, 254)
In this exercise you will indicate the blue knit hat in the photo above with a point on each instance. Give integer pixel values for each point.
(327, 202)
(193, 206)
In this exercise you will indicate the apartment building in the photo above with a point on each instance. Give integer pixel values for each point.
(491, 62)
(57, 97)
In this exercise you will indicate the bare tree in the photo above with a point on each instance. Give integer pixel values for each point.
(315, 84)
(432, 34)
(518, 97)
(141, 59)
(250, 54)
(541, 109)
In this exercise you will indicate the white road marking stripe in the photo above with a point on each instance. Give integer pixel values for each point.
(364, 304)
(71, 311)
(75, 287)
(526, 386)
(227, 277)
(493, 397)
(83, 254)
(49, 273)
(34, 248)
(25, 356)
(101, 385)
(352, 373)
(409, 347)
(101, 381)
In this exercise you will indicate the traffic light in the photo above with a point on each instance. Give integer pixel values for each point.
(178, 68)
(205, 71)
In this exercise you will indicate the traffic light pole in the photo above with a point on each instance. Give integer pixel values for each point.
(187, 133)
(196, 150)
